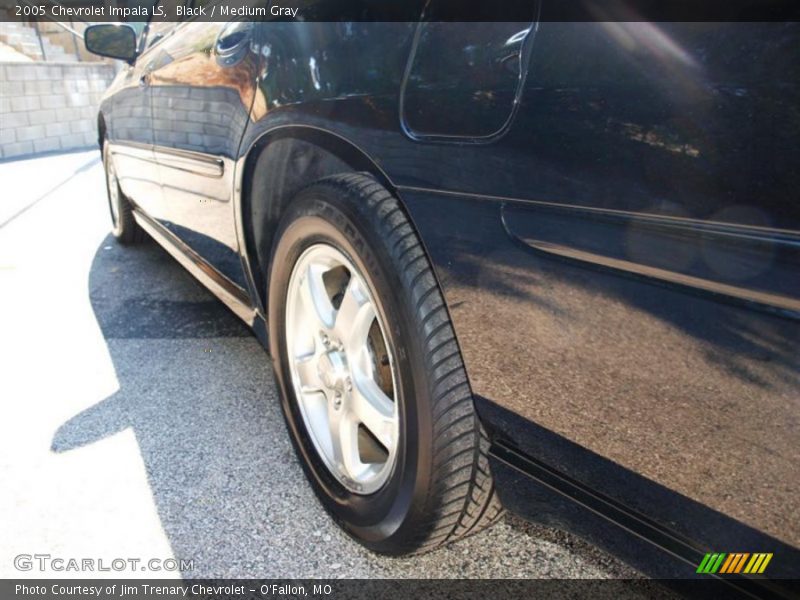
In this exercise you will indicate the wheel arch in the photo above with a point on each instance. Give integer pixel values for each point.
(278, 165)
(101, 129)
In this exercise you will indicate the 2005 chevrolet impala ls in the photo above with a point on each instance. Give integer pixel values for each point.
(546, 267)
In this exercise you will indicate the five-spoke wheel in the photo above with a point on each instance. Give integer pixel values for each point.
(373, 388)
(342, 370)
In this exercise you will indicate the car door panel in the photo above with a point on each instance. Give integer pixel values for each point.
(203, 83)
(618, 252)
(621, 269)
(128, 120)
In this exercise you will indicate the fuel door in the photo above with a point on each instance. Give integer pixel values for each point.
(463, 80)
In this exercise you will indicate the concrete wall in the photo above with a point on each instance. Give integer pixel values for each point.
(71, 45)
(49, 106)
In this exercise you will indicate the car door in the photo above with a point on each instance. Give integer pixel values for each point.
(203, 83)
(650, 191)
(129, 130)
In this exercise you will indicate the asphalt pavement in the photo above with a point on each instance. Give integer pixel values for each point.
(140, 417)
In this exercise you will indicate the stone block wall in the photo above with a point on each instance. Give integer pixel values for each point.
(49, 107)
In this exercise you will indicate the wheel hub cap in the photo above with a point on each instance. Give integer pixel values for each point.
(338, 358)
(333, 372)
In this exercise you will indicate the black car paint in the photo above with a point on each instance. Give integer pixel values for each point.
(615, 228)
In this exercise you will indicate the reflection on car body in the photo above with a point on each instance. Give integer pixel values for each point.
(610, 211)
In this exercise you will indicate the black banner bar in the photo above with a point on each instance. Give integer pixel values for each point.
(375, 589)
(406, 10)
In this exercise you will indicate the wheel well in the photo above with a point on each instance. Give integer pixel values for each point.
(276, 168)
(101, 130)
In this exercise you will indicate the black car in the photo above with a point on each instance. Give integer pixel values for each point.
(547, 267)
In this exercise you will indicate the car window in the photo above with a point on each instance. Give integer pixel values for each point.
(158, 30)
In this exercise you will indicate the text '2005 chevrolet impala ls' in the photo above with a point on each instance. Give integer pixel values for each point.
(548, 267)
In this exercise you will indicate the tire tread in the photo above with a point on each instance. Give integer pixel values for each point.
(461, 477)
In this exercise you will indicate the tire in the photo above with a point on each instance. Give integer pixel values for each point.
(123, 226)
(439, 487)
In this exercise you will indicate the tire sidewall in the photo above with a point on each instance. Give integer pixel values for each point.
(321, 215)
(116, 224)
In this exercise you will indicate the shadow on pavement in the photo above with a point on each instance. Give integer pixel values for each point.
(197, 391)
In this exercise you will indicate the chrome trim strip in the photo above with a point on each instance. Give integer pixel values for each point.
(131, 145)
(189, 161)
(134, 150)
(786, 305)
(785, 239)
(713, 287)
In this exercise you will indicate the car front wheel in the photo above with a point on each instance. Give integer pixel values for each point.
(123, 225)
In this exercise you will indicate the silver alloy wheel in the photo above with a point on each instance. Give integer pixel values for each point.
(342, 369)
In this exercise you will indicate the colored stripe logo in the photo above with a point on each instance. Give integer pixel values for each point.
(736, 562)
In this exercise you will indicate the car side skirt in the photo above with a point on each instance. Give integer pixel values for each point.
(234, 297)
(542, 494)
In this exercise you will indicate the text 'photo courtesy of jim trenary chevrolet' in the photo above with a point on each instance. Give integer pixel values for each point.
(433, 299)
